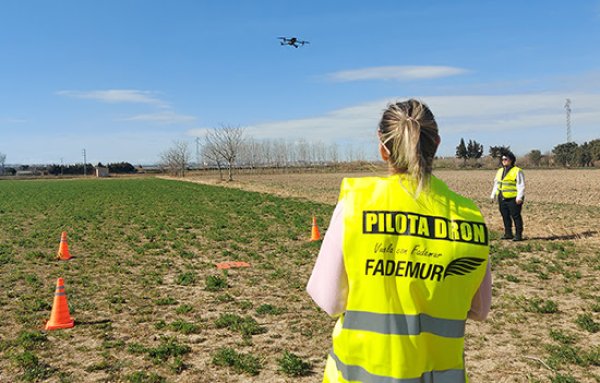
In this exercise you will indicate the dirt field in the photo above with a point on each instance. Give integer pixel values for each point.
(560, 203)
(150, 305)
(523, 339)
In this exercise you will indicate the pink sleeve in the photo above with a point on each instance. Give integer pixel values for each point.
(328, 283)
(482, 300)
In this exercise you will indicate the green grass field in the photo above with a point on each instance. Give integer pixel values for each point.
(148, 302)
(150, 305)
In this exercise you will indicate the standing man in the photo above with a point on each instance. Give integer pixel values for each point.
(509, 190)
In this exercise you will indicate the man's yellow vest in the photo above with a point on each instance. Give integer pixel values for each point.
(413, 268)
(508, 185)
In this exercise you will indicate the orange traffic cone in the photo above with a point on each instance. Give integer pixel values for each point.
(60, 317)
(315, 235)
(63, 249)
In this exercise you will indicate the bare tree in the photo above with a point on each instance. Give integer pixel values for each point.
(266, 152)
(320, 152)
(176, 158)
(227, 142)
(251, 153)
(303, 152)
(281, 156)
(2, 162)
(350, 156)
(292, 155)
(333, 153)
(360, 154)
(210, 153)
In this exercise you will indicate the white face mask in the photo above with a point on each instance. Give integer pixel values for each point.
(379, 136)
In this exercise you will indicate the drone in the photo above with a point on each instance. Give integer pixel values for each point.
(292, 41)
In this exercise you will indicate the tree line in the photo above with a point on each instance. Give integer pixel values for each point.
(569, 154)
(226, 148)
(71, 169)
(117, 168)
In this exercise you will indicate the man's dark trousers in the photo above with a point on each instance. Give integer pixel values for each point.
(511, 211)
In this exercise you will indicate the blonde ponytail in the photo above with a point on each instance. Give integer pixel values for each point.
(410, 135)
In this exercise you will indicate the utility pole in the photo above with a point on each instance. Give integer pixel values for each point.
(84, 162)
(568, 110)
(61, 166)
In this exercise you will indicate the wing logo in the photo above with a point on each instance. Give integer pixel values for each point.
(462, 266)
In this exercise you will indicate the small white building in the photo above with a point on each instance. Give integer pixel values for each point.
(101, 171)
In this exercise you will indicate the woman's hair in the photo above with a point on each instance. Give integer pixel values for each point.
(510, 156)
(409, 133)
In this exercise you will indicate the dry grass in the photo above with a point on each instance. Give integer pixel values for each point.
(560, 203)
(144, 250)
(559, 264)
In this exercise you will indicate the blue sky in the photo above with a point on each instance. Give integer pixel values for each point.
(124, 79)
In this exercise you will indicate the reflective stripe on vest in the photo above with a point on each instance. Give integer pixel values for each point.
(398, 324)
(409, 286)
(359, 374)
(507, 185)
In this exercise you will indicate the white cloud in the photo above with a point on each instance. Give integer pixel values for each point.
(162, 117)
(117, 96)
(398, 73)
(510, 112)
(347, 123)
(165, 116)
(479, 116)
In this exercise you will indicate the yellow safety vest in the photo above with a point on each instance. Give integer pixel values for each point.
(413, 268)
(508, 185)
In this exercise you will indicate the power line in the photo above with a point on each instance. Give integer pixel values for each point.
(568, 110)
(84, 162)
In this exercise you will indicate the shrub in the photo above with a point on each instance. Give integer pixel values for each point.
(144, 377)
(31, 339)
(586, 322)
(269, 309)
(538, 305)
(186, 279)
(185, 327)
(292, 365)
(34, 369)
(562, 337)
(168, 348)
(167, 301)
(240, 362)
(183, 309)
(247, 326)
(215, 283)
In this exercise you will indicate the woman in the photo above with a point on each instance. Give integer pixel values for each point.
(509, 190)
(403, 264)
